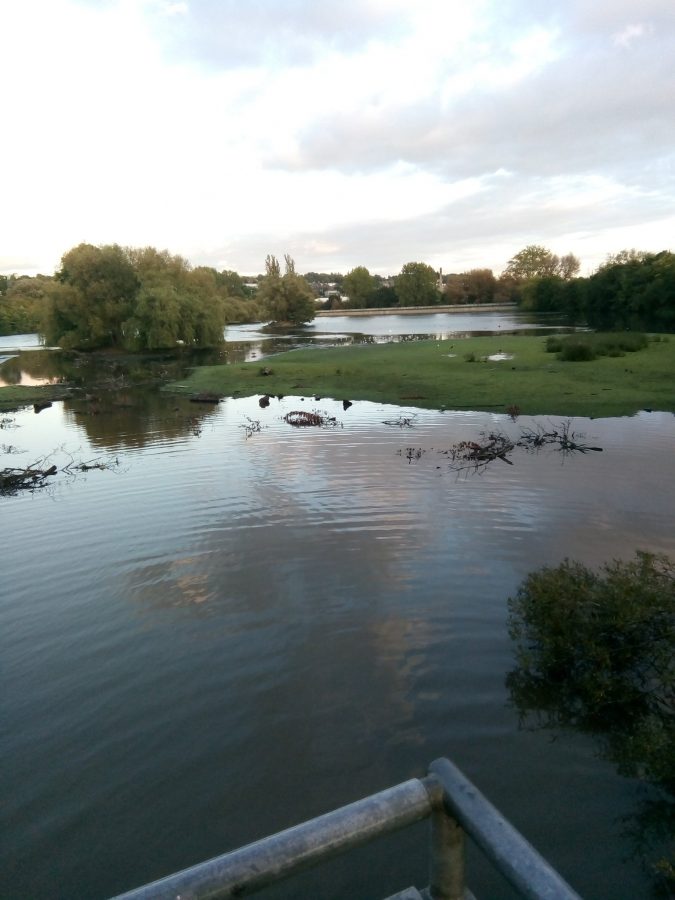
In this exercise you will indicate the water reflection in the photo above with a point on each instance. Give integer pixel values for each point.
(596, 653)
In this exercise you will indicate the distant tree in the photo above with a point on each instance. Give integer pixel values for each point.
(335, 278)
(417, 285)
(23, 303)
(233, 283)
(359, 285)
(568, 267)
(474, 286)
(384, 297)
(624, 256)
(4, 284)
(532, 262)
(286, 298)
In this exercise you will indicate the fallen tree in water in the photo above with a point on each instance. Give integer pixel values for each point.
(35, 476)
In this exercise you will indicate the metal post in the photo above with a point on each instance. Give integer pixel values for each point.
(446, 869)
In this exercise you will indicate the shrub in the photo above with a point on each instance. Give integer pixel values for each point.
(553, 344)
(576, 351)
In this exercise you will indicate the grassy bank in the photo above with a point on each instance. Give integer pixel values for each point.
(14, 396)
(456, 374)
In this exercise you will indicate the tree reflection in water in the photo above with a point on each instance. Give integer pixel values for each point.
(596, 653)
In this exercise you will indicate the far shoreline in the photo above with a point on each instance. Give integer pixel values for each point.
(418, 310)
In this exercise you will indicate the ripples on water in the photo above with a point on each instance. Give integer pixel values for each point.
(223, 636)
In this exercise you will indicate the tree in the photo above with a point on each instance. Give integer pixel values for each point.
(22, 305)
(474, 286)
(233, 283)
(624, 256)
(568, 266)
(359, 285)
(286, 298)
(417, 285)
(532, 262)
(637, 292)
(138, 299)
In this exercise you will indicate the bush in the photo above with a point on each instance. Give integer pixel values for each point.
(576, 351)
(598, 650)
(553, 344)
(589, 345)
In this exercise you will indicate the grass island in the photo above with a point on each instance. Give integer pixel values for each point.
(483, 373)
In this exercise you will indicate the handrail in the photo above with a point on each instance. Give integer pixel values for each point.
(512, 855)
(446, 796)
(256, 865)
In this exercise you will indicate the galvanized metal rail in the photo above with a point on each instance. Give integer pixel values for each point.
(455, 807)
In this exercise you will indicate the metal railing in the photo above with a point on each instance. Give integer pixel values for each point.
(454, 805)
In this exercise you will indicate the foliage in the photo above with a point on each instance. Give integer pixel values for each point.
(136, 299)
(359, 285)
(630, 290)
(589, 345)
(637, 292)
(22, 303)
(417, 285)
(535, 261)
(384, 297)
(596, 652)
(286, 298)
(474, 286)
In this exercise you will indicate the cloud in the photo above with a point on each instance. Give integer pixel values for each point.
(224, 34)
(356, 133)
(572, 110)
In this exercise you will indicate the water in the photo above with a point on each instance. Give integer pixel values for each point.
(218, 637)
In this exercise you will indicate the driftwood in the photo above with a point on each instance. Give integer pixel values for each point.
(495, 445)
(300, 418)
(402, 421)
(28, 479)
(35, 476)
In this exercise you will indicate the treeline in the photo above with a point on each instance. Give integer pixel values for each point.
(135, 298)
(145, 298)
(142, 299)
(632, 289)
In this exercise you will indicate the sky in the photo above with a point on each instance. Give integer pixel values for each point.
(359, 132)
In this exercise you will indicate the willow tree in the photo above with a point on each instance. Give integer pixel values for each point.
(136, 299)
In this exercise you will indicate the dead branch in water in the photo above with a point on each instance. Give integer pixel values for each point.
(301, 418)
(35, 476)
(402, 421)
(251, 427)
(475, 456)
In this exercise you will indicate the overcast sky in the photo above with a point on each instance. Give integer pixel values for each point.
(358, 132)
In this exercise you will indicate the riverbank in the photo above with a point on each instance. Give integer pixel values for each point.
(483, 373)
(15, 396)
(419, 310)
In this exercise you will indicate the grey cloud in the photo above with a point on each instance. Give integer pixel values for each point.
(606, 107)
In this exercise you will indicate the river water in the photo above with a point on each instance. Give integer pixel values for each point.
(236, 625)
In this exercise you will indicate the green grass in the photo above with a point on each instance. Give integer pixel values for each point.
(14, 396)
(423, 374)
